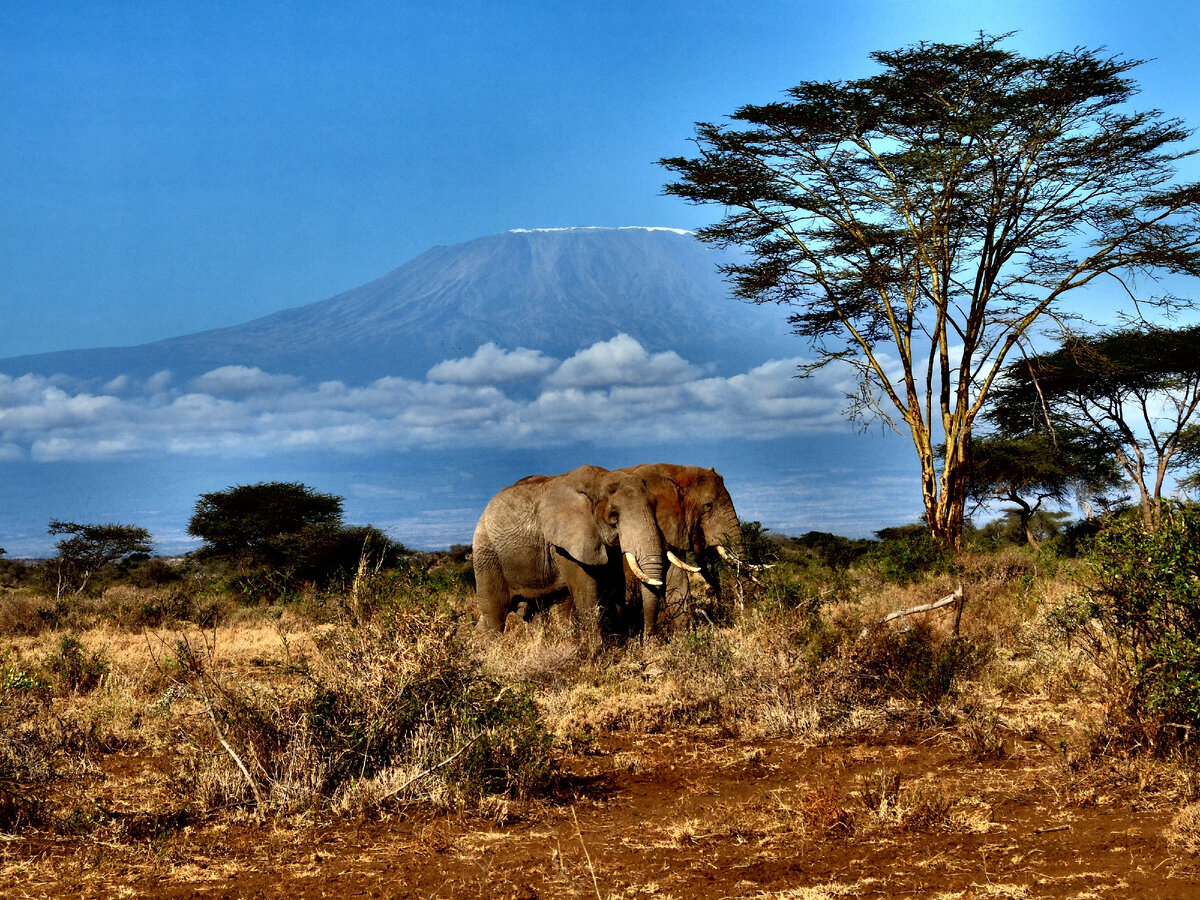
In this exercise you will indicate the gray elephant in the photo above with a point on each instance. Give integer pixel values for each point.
(694, 512)
(547, 533)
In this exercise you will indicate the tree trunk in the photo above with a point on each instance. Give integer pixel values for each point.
(945, 496)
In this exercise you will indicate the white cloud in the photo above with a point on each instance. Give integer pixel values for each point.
(158, 382)
(242, 380)
(621, 361)
(491, 365)
(611, 393)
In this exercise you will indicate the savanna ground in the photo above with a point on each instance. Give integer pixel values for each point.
(169, 740)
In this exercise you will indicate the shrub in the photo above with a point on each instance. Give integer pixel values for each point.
(914, 663)
(152, 573)
(282, 536)
(1148, 600)
(758, 546)
(74, 668)
(27, 749)
(834, 551)
(906, 555)
(390, 709)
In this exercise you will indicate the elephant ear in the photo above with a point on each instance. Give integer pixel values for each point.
(568, 522)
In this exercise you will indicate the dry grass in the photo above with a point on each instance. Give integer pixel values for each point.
(1184, 830)
(144, 747)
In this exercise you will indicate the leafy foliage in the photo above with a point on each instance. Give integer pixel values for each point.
(73, 667)
(1135, 392)
(759, 547)
(259, 520)
(284, 533)
(933, 212)
(834, 551)
(908, 553)
(92, 548)
(1148, 599)
(1038, 465)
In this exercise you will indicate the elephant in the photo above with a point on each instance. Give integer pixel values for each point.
(694, 512)
(546, 533)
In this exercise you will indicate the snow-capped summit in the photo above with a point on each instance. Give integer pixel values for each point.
(553, 290)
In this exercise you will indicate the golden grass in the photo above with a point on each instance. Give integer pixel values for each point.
(769, 673)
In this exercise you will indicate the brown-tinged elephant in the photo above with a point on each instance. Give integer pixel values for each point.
(694, 513)
(546, 533)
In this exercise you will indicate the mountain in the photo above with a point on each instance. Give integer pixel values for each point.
(420, 455)
(553, 290)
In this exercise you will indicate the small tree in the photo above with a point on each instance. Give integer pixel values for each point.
(1148, 600)
(1134, 392)
(258, 523)
(1040, 465)
(1013, 528)
(287, 528)
(923, 220)
(92, 548)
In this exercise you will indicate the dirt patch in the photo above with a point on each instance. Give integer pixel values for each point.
(682, 816)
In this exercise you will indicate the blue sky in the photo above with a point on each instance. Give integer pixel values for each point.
(168, 167)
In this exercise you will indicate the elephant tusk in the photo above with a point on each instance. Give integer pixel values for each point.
(729, 557)
(676, 561)
(637, 570)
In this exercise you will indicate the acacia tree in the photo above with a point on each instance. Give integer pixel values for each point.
(288, 528)
(1135, 391)
(91, 548)
(922, 220)
(1039, 465)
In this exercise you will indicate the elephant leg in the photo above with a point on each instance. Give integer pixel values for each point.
(491, 590)
(585, 595)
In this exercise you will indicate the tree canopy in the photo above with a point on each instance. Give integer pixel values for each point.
(251, 519)
(289, 529)
(922, 220)
(1038, 465)
(1135, 392)
(91, 548)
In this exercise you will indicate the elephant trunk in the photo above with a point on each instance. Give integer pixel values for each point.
(640, 573)
(643, 551)
(728, 536)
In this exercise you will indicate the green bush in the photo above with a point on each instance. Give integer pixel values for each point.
(74, 668)
(835, 552)
(1148, 599)
(906, 555)
(283, 537)
(758, 546)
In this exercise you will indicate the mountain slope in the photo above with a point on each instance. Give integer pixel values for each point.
(555, 291)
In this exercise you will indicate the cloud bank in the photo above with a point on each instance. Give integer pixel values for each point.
(613, 392)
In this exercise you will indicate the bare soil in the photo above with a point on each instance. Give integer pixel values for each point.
(685, 815)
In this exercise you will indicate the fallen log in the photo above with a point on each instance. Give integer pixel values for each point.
(957, 596)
